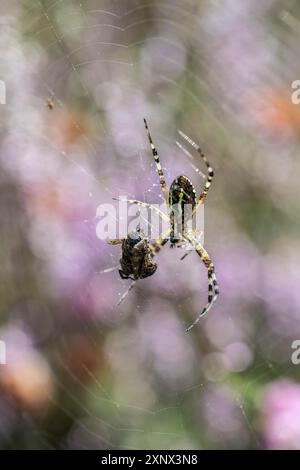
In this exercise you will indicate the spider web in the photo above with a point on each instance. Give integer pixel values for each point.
(125, 59)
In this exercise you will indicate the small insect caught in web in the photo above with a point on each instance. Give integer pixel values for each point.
(49, 104)
(137, 258)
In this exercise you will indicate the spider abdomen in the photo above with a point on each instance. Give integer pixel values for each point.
(182, 200)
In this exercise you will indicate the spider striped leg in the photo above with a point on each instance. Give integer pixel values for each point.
(213, 288)
(210, 172)
(115, 241)
(184, 256)
(158, 166)
(190, 156)
(144, 204)
(194, 232)
(157, 245)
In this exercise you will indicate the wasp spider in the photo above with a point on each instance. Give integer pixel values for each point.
(181, 194)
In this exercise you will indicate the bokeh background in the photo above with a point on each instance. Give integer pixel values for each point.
(81, 372)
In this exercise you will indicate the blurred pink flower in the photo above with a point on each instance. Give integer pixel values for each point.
(224, 417)
(281, 415)
(281, 290)
(26, 380)
(164, 341)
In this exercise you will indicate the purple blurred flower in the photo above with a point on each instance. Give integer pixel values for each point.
(164, 340)
(224, 417)
(26, 379)
(281, 289)
(281, 415)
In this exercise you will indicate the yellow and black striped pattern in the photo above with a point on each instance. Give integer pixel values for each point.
(158, 165)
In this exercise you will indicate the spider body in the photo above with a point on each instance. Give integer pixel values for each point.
(182, 201)
(137, 257)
